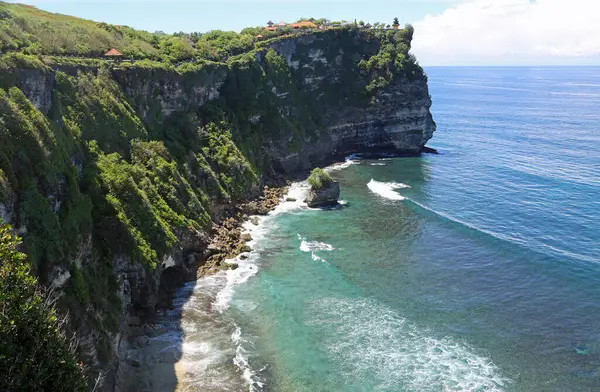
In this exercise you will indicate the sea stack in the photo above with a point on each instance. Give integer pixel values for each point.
(324, 191)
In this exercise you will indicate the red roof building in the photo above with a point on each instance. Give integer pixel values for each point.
(113, 53)
(305, 24)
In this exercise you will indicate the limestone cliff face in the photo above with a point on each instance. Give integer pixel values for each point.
(172, 91)
(294, 104)
(395, 120)
(400, 122)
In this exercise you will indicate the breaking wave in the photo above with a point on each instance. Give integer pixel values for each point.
(386, 189)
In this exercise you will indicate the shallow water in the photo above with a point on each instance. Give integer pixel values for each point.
(477, 269)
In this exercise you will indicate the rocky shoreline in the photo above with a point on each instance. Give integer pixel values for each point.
(149, 363)
(227, 239)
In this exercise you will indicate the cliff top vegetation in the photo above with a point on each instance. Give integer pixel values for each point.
(29, 30)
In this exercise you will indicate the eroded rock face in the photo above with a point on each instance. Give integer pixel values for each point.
(396, 120)
(326, 196)
(172, 91)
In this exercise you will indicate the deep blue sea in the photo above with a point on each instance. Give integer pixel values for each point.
(477, 269)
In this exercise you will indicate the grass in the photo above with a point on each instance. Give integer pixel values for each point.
(318, 178)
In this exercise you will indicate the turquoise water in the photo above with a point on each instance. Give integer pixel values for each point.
(476, 269)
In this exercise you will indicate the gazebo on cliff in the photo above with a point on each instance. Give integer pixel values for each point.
(114, 55)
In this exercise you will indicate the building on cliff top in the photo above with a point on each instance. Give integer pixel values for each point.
(113, 55)
(303, 24)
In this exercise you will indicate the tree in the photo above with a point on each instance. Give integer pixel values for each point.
(396, 22)
(34, 353)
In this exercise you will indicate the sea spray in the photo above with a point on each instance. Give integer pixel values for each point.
(386, 189)
(314, 246)
(241, 360)
(309, 246)
(350, 160)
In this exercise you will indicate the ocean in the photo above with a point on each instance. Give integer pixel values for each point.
(477, 269)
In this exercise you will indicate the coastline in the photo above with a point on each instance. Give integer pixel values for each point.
(151, 351)
(154, 350)
(227, 239)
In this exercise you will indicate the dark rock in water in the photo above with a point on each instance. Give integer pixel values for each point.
(290, 199)
(254, 221)
(246, 237)
(429, 150)
(244, 248)
(325, 196)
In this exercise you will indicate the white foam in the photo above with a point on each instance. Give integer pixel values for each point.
(314, 246)
(241, 274)
(311, 246)
(377, 164)
(242, 362)
(369, 339)
(349, 161)
(386, 189)
(317, 258)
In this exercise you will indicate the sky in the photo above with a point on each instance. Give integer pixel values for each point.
(447, 32)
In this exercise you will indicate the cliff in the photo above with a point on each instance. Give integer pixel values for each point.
(114, 175)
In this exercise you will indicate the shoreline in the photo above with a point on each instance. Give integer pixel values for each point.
(228, 240)
(151, 351)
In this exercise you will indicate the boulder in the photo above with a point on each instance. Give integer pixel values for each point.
(325, 196)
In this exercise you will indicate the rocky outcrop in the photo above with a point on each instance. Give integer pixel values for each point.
(325, 196)
(396, 120)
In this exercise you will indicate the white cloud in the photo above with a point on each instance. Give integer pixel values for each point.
(511, 32)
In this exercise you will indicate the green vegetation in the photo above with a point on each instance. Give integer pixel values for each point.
(29, 30)
(92, 172)
(34, 31)
(393, 60)
(35, 355)
(318, 178)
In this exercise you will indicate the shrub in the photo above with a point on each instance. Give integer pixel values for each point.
(319, 178)
(34, 353)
